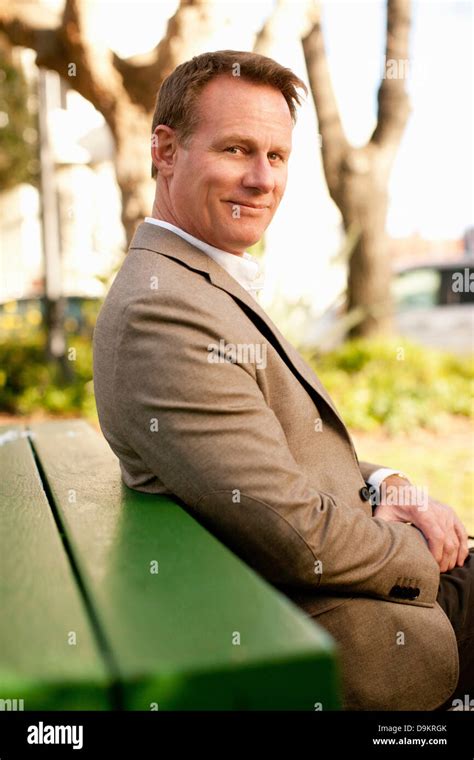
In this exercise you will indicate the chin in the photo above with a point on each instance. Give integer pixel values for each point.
(240, 245)
(244, 242)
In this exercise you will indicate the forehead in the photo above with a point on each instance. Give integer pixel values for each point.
(230, 103)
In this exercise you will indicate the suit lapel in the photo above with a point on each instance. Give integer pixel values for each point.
(160, 240)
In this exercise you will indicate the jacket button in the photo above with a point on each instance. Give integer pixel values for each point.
(364, 494)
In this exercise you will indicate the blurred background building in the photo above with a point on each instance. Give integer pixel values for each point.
(87, 203)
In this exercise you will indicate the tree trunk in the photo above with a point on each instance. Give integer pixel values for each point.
(133, 164)
(363, 203)
(358, 177)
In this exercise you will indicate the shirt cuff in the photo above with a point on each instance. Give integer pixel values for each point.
(378, 476)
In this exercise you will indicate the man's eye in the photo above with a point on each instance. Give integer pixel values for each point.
(233, 149)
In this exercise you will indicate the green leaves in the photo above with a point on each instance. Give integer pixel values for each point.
(18, 130)
(29, 384)
(395, 384)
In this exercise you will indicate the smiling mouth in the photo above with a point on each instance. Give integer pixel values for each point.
(247, 205)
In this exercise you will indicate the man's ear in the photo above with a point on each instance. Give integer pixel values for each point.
(163, 149)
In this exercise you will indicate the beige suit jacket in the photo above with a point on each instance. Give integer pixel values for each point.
(199, 395)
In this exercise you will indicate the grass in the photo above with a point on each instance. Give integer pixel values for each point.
(443, 462)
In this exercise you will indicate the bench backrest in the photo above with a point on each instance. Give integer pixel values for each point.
(117, 599)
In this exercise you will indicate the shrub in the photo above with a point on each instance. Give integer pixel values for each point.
(395, 383)
(391, 382)
(28, 383)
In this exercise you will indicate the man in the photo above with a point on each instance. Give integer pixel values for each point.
(200, 396)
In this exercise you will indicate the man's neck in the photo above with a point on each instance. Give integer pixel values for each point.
(163, 217)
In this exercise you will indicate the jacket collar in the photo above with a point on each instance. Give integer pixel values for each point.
(160, 240)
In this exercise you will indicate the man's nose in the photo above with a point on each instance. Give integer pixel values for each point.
(259, 175)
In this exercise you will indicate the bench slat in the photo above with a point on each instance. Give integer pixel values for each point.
(40, 605)
(171, 632)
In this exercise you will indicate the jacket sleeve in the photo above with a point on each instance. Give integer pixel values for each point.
(206, 430)
(367, 468)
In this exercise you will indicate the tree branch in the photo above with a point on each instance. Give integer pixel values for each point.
(143, 74)
(334, 141)
(95, 77)
(25, 30)
(140, 79)
(393, 102)
(57, 47)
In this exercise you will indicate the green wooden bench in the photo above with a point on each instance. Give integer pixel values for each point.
(112, 599)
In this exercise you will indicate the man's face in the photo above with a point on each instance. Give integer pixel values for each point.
(227, 184)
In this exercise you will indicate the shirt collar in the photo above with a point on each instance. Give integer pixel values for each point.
(245, 269)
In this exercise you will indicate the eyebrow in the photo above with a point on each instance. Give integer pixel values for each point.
(237, 138)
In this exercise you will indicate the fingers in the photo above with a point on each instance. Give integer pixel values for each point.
(450, 552)
(455, 547)
(435, 537)
(445, 534)
(461, 532)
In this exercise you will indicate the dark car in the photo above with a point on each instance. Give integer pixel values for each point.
(434, 306)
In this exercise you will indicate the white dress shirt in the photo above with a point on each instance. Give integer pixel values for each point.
(248, 273)
(245, 269)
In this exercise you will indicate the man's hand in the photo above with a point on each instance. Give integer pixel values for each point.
(445, 534)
